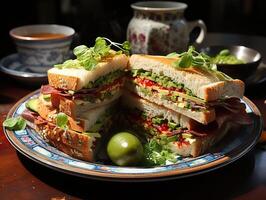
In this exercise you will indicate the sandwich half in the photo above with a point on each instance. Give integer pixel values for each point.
(77, 107)
(194, 92)
(178, 133)
(79, 137)
(76, 90)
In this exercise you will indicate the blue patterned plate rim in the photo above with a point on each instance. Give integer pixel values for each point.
(30, 144)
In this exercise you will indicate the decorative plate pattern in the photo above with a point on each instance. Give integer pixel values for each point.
(29, 143)
(13, 65)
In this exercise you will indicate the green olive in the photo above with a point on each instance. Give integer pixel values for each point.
(125, 149)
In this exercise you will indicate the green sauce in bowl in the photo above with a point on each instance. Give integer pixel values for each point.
(224, 57)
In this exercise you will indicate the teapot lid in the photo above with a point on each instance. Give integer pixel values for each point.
(159, 6)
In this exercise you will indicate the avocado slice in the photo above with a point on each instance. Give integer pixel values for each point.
(46, 97)
(33, 105)
(172, 125)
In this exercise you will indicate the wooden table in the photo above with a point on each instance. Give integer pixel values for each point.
(21, 178)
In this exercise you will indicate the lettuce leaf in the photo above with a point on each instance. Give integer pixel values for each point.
(156, 151)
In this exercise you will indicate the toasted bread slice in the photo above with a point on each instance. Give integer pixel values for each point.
(84, 123)
(76, 79)
(75, 144)
(203, 84)
(77, 108)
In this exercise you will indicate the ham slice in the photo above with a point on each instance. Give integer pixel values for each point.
(29, 115)
(224, 115)
(47, 89)
(33, 117)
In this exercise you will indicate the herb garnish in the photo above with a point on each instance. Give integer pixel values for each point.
(192, 58)
(157, 152)
(62, 121)
(15, 123)
(89, 57)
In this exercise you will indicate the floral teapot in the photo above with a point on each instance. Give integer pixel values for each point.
(158, 27)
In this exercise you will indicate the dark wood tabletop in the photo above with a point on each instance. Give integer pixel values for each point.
(22, 178)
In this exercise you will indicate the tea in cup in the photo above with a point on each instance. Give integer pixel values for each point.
(42, 46)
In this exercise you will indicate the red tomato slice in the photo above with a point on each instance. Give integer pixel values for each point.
(164, 127)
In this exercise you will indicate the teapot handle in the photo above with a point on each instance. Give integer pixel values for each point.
(203, 30)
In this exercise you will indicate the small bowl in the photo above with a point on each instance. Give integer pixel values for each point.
(251, 57)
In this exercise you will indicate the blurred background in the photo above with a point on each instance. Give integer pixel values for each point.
(92, 18)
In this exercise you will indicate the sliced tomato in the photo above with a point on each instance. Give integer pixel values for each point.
(148, 83)
(164, 127)
(181, 142)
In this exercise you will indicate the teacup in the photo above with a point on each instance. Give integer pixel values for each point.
(42, 46)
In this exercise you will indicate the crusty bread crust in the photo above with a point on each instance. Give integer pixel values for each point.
(223, 89)
(66, 106)
(203, 144)
(76, 79)
(48, 113)
(45, 110)
(64, 82)
(202, 117)
(70, 142)
(203, 84)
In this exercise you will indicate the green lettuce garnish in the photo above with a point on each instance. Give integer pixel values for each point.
(200, 60)
(157, 152)
(192, 58)
(69, 64)
(62, 121)
(15, 123)
(89, 57)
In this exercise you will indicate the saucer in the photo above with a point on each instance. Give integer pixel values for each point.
(12, 66)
